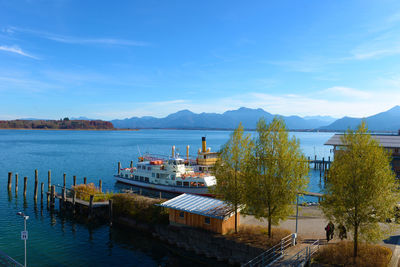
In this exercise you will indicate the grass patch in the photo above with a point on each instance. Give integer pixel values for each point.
(139, 208)
(341, 254)
(257, 236)
(84, 191)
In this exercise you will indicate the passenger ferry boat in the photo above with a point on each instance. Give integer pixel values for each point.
(173, 174)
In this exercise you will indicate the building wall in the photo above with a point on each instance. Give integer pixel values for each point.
(195, 220)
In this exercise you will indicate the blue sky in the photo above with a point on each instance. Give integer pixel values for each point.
(118, 59)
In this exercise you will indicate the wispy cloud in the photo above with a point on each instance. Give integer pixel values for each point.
(16, 50)
(75, 40)
(352, 93)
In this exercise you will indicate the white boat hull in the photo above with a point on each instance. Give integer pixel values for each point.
(171, 189)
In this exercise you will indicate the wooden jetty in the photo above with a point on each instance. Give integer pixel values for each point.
(67, 197)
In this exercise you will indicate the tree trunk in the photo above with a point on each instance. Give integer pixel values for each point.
(355, 242)
(235, 218)
(269, 226)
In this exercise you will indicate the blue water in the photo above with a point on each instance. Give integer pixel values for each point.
(58, 241)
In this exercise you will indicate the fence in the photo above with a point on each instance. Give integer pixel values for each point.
(271, 255)
(6, 260)
(304, 256)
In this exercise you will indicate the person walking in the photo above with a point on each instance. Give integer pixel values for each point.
(327, 230)
(342, 232)
(332, 229)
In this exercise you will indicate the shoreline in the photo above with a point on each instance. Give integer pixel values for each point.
(35, 129)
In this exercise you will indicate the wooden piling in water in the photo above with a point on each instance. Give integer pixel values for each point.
(84, 180)
(131, 163)
(25, 183)
(9, 181)
(62, 202)
(16, 183)
(41, 192)
(315, 162)
(91, 205)
(49, 180)
(64, 179)
(160, 195)
(110, 210)
(35, 191)
(74, 180)
(100, 185)
(119, 168)
(52, 196)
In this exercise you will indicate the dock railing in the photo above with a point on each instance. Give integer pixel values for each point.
(6, 260)
(304, 256)
(272, 255)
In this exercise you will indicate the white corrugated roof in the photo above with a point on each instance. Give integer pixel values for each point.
(388, 141)
(205, 206)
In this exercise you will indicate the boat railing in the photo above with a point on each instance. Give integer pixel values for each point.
(6, 260)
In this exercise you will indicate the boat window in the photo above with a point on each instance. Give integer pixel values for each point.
(201, 184)
(149, 168)
(172, 177)
(178, 183)
(185, 183)
(153, 174)
(158, 175)
(126, 175)
(146, 179)
(141, 178)
(207, 220)
(182, 214)
(136, 177)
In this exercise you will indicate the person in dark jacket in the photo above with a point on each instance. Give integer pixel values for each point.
(332, 229)
(328, 232)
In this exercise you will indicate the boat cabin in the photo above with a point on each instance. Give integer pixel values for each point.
(201, 212)
(390, 142)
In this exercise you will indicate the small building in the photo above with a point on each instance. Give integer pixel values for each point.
(202, 212)
(390, 142)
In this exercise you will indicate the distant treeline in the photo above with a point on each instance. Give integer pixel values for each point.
(57, 124)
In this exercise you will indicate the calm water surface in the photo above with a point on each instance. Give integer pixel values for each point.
(58, 241)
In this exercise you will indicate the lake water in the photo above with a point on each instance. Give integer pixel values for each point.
(58, 241)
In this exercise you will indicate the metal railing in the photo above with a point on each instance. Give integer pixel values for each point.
(6, 260)
(304, 256)
(271, 255)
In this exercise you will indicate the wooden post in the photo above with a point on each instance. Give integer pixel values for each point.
(41, 192)
(84, 180)
(74, 182)
(36, 187)
(140, 191)
(73, 202)
(52, 196)
(9, 181)
(16, 183)
(160, 194)
(100, 185)
(110, 210)
(315, 162)
(49, 180)
(119, 168)
(62, 202)
(64, 179)
(90, 206)
(323, 163)
(25, 183)
(131, 163)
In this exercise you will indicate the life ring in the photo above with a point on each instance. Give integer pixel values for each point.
(132, 170)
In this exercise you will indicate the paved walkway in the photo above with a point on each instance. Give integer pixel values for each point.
(311, 226)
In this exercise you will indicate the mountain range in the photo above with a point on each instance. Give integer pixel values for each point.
(384, 121)
(185, 119)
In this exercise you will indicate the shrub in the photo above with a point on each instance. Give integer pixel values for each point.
(369, 255)
(139, 208)
(84, 191)
(257, 236)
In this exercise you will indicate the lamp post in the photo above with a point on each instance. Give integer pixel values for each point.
(24, 234)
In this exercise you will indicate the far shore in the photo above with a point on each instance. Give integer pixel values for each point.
(69, 129)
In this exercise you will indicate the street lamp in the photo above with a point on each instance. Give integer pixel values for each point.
(24, 234)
